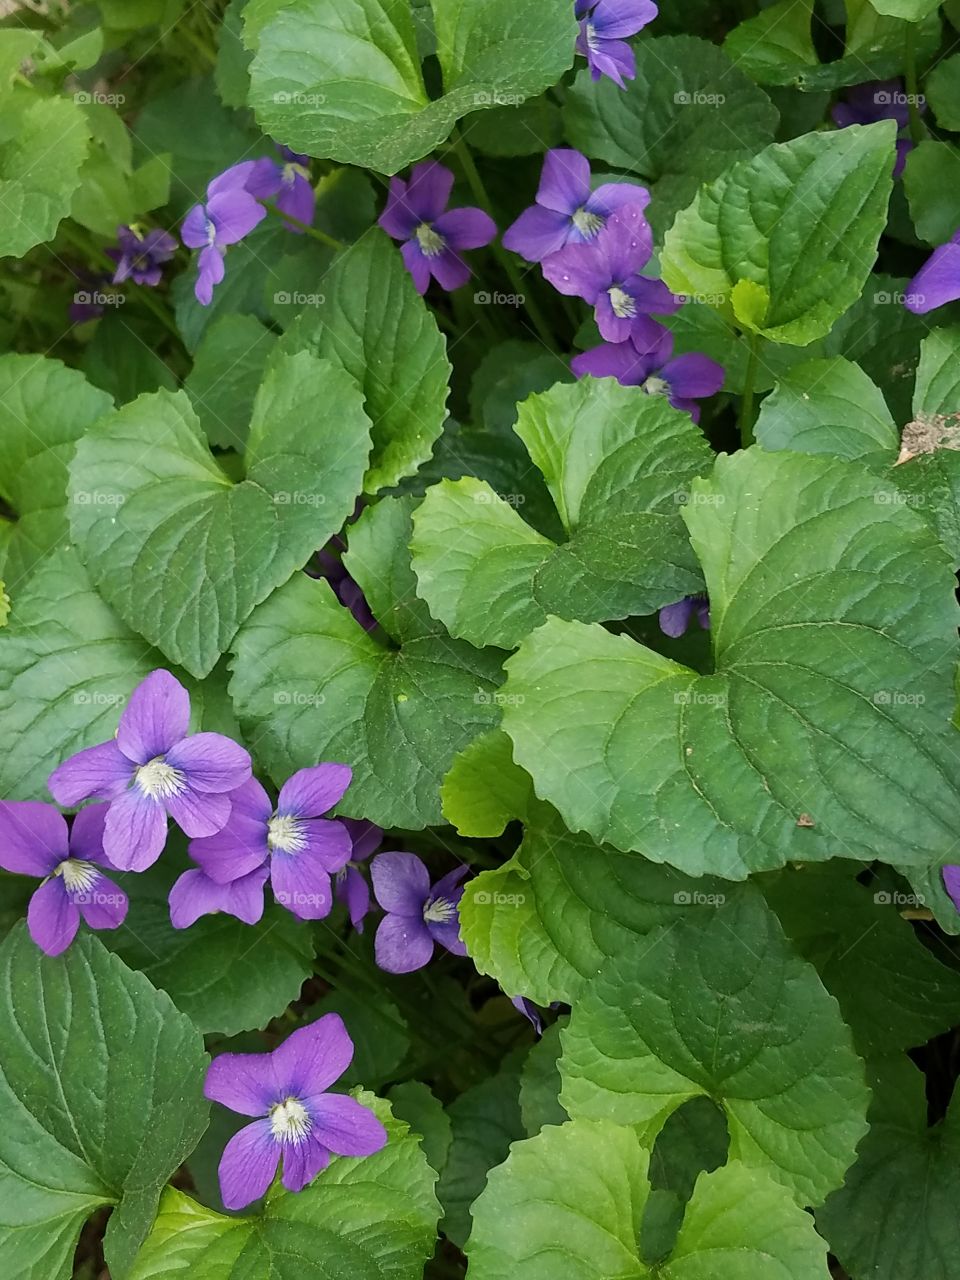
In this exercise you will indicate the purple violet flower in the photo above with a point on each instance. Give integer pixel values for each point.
(606, 273)
(300, 848)
(674, 619)
(951, 882)
(938, 280)
(566, 210)
(604, 26)
(140, 253)
(34, 842)
(434, 236)
(153, 768)
(418, 914)
(288, 184)
(878, 100)
(195, 894)
(297, 1119)
(529, 1011)
(351, 887)
(329, 565)
(230, 213)
(683, 380)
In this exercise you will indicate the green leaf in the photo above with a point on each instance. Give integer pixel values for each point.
(484, 789)
(522, 129)
(381, 1039)
(941, 87)
(540, 1083)
(311, 684)
(121, 357)
(413, 1102)
(563, 907)
(831, 691)
(37, 179)
(802, 219)
(618, 464)
(688, 113)
(932, 168)
(67, 663)
(44, 409)
(774, 1052)
(891, 989)
(907, 10)
(232, 72)
(227, 370)
(828, 407)
(361, 1219)
(344, 82)
(100, 1100)
(375, 324)
(776, 46)
(912, 1172)
(571, 1202)
(937, 389)
(183, 554)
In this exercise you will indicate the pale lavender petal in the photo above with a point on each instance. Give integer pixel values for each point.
(466, 228)
(297, 200)
(938, 280)
(33, 837)
(529, 1011)
(353, 890)
(951, 882)
(428, 190)
(102, 771)
(675, 618)
(328, 841)
(233, 852)
(693, 376)
(250, 801)
(578, 271)
(52, 919)
(402, 944)
(366, 836)
(194, 231)
(313, 1057)
(243, 1082)
(449, 271)
(345, 1126)
(211, 762)
(398, 219)
(537, 233)
(613, 360)
(650, 338)
(265, 178)
(86, 834)
(416, 264)
(616, 19)
(302, 1161)
(611, 196)
(210, 271)
(135, 831)
(194, 895)
(653, 297)
(156, 717)
(248, 1165)
(613, 58)
(447, 934)
(564, 180)
(309, 793)
(401, 882)
(301, 883)
(198, 813)
(103, 906)
(233, 179)
(626, 242)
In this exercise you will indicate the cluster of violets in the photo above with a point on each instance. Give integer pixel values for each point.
(239, 839)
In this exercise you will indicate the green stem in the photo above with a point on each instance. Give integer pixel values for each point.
(503, 258)
(747, 413)
(305, 227)
(917, 132)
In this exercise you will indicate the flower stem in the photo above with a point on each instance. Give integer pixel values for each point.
(305, 227)
(503, 258)
(747, 409)
(910, 79)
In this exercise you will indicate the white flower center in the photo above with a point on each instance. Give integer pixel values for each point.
(290, 1121)
(439, 911)
(656, 386)
(292, 170)
(211, 231)
(593, 42)
(623, 305)
(587, 223)
(286, 833)
(158, 780)
(78, 876)
(431, 242)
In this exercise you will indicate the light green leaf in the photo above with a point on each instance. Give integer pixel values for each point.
(44, 409)
(571, 1203)
(540, 1083)
(376, 325)
(484, 789)
(43, 144)
(776, 46)
(802, 219)
(361, 1219)
(413, 1102)
(907, 10)
(942, 87)
(311, 684)
(937, 389)
(227, 370)
(100, 1100)
(344, 81)
(828, 407)
(182, 553)
(774, 1052)
(931, 171)
(831, 690)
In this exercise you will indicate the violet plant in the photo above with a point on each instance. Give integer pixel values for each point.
(479, 508)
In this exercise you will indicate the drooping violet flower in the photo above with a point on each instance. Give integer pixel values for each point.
(878, 100)
(298, 1120)
(300, 848)
(434, 236)
(529, 1011)
(287, 183)
(606, 273)
(566, 210)
(683, 380)
(194, 894)
(153, 768)
(951, 882)
(674, 619)
(328, 564)
(34, 842)
(938, 280)
(418, 914)
(139, 254)
(351, 887)
(604, 27)
(229, 214)
(90, 301)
